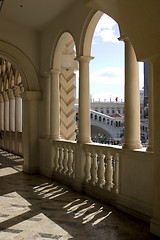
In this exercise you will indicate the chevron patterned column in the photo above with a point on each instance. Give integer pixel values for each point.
(67, 101)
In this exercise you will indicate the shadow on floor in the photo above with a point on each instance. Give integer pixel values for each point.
(34, 207)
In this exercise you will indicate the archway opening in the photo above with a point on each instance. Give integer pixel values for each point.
(11, 87)
(107, 72)
(64, 60)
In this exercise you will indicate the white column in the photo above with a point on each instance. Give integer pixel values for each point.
(151, 109)
(1, 112)
(55, 105)
(18, 109)
(84, 100)
(11, 119)
(11, 110)
(132, 99)
(6, 111)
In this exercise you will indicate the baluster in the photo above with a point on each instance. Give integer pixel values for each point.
(94, 167)
(65, 169)
(109, 172)
(87, 167)
(70, 161)
(101, 180)
(61, 155)
(116, 174)
(56, 159)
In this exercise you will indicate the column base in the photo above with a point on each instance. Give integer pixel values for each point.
(82, 141)
(155, 227)
(132, 146)
(55, 138)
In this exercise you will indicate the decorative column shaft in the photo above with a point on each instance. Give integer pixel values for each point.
(132, 99)
(84, 100)
(11, 110)
(55, 105)
(6, 111)
(18, 109)
(1, 112)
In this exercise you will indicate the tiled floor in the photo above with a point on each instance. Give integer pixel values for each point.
(34, 207)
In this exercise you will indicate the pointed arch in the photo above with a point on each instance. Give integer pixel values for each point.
(22, 63)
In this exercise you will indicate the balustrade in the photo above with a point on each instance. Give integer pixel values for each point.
(64, 158)
(102, 167)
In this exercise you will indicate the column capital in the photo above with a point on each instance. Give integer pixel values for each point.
(124, 38)
(11, 94)
(84, 58)
(17, 91)
(1, 97)
(55, 71)
(5, 96)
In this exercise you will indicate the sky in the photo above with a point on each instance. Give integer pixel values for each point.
(107, 67)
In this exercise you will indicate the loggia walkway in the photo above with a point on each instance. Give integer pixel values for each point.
(34, 207)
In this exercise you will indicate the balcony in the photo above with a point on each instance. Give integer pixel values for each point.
(35, 207)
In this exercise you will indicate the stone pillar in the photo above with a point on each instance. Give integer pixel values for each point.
(1, 112)
(155, 222)
(6, 111)
(30, 101)
(151, 110)
(2, 120)
(84, 100)
(11, 118)
(11, 110)
(6, 120)
(132, 99)
(55, 105)
(18, 109)
(18, 116)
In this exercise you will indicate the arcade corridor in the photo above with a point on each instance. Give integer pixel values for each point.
(34, 207)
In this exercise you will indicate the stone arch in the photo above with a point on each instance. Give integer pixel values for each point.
(63, 60)
(88, 31)
(22, 63)
(97, 129)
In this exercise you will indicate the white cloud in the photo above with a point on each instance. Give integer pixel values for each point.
(105, 22)
(107, 35)
(105, 30)
(109, 75)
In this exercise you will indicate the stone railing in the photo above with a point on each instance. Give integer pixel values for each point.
(121, 177)
(64, 160)
(102, 166)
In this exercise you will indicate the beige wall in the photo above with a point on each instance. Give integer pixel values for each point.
(25, 39)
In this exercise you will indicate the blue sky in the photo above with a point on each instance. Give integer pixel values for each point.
(107, 67)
